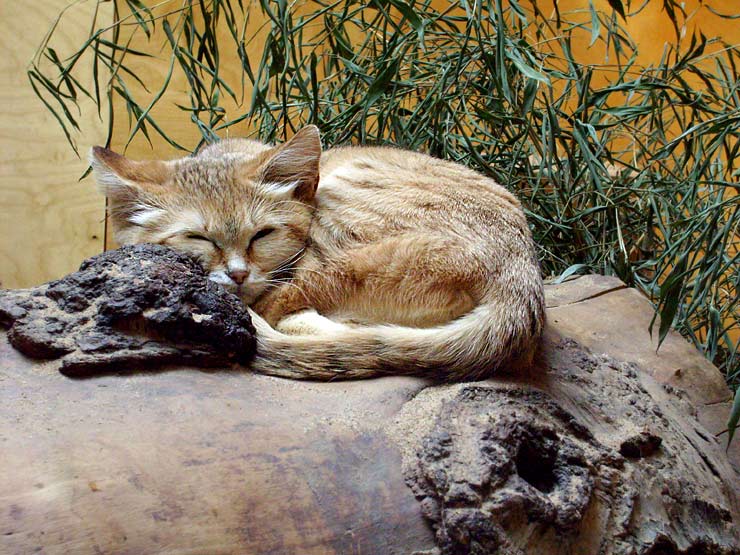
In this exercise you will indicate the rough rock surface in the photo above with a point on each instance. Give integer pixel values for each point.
(141, 304)
(505, 469)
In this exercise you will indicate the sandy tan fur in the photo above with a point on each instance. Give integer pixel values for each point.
(378, 260)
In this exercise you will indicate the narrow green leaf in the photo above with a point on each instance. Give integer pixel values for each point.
(618, 7)
(595, 23)
(569, 271)
(733, 419)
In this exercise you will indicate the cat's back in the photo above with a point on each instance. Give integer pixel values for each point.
(384, 187)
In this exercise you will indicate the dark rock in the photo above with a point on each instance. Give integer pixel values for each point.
(143, 303)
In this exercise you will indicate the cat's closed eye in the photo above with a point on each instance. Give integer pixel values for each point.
(199, 237)
(264, 232)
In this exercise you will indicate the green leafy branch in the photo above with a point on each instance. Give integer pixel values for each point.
(635, 176)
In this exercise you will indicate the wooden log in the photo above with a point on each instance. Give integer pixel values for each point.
(508, 467)
(590, 452)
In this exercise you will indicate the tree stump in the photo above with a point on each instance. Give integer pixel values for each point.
(604, 447)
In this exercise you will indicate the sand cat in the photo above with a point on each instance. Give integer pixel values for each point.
(357, 261)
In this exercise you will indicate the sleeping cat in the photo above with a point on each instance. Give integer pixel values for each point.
(356, 262)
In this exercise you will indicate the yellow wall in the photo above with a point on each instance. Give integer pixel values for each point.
(49, 221)
(651, 28)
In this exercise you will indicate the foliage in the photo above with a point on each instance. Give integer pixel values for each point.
(623, 169)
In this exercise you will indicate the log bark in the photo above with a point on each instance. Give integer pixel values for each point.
(604, 447)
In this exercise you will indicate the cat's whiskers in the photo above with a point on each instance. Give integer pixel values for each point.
(298, 275)
(281, 282)
(286, 201)
(287, 263)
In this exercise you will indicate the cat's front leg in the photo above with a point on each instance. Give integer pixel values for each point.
(278, 309)
(300, 293)
(280, 302)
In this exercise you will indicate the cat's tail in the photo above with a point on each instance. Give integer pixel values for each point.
(472, 347)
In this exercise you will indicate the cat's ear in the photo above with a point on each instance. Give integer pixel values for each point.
(294, 167)
(129, 185)
(115, 173)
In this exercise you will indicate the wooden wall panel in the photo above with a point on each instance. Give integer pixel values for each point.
(49, 220)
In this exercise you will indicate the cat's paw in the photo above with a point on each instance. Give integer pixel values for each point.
(308, 322)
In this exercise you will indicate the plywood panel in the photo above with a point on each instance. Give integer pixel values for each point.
(49, 220)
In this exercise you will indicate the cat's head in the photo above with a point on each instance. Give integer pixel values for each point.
(243, 209)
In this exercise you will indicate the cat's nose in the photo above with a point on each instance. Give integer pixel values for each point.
(238, 276)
